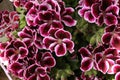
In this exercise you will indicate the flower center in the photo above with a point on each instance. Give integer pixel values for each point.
(59, 41)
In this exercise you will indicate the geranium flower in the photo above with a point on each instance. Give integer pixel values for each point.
(106, 58)
(45, 59)
(9, 21)
(16, 49)
(31, 37)
(59, 41)
(87, 62)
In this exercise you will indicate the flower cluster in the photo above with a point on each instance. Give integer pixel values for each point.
(105, 57)
(29, 54)
(9, 21)
(99, 11)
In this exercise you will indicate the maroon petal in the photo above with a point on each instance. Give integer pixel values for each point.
(88, 3)
(48, 41)
(47, 15)
(105, 4)
(69, 10)
(32, 77)
(111, 63)
(110, 19)
(89, 17)
(43, 29)
(100, 19)
(115, 42)
(57, 24)
(84, 52)
(61, 34)
(86, 64)
(49, 62)
(116, 68)
(45, 78)
(114, 9)
(9, 52)
(60, 50)
(106, 37)
(15, 67)
(28, 42)
(104, 67)
(98, 57)
(117, 76)
(111, 51)
(69, 21)
(17, 44)
(41, 71)
(28, 5)
(52, 46)
(82, 11)
(23, 35)
(110, 28)
(23, 52)
(95, 10)
(69, 44)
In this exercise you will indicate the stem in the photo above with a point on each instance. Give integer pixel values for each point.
(4, 69)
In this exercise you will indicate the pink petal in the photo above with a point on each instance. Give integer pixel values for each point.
(60, 50)
(43, 29)
(95, 10)
(115, 42)
(84, 52)
(69, 44)
(69, 21)
(82, 11)
(86, 64)
(117, 76)
(61, 34)
(89, 17)
(110, 28)
(104, 67)
(116, 68)
(49, 62)
(57, 24)
(48, 41)
(110, 19)
(106, 37)
(23, 52)
(111, 63)
(100, 19)
(114, 9)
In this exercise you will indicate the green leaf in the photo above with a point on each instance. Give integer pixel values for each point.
(22, 21)
(96, 38)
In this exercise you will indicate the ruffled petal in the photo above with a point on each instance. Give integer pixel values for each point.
(23, 52)
(104, 67)
(57, 24)
(117, 76)
(106, 37)
(15, 67)
(69, 21)
(48, 41)
(86, 64)
(95, 10)
(115, 42)
(82, 11)
(116, 68)
(43, 29)
(89, 17)
(49, 62)
(61, 34)
(84, 52)
(114, 9)
(110, 19)
(69, 45)
(60, 49)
